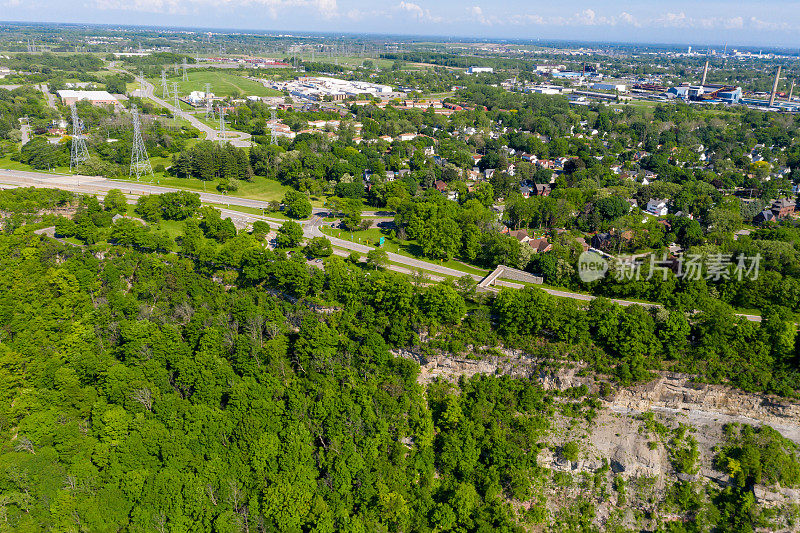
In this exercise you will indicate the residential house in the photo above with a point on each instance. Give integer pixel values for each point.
(764, 216)
(440, 185)
(783, 207)
(540, 245)
(541, 189)
(603, 241)
(525, 191)
(657, 207)
(520, 234)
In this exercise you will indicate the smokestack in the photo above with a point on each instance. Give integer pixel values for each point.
(705, 72)
(775, 87)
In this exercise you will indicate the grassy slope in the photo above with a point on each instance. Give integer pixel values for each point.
(222, 84)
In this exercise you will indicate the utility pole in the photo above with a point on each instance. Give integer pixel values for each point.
(140, 162)
(78, 153)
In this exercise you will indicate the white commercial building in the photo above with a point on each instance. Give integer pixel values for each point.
(69, 97)
(608, 86)
(478, 70)
(324, 88)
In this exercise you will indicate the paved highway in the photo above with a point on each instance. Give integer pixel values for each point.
(236, 138)
(311, 228)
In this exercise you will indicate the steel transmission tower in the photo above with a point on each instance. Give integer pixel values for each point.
(164, 86)
(78, 153)
(273, 129)
(222, 124)
(209, 109)
(177, 102)
(185, 74)
(140, 162)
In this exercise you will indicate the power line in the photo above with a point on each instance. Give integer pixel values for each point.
(78, 152)
(140, 162)
(164, 86)
(222, 124)
(209, 109)
(177, 102)
(273, 129)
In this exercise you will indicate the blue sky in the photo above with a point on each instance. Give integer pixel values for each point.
(743, 22)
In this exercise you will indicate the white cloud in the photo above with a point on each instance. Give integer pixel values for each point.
(413, 9)
(627, 18)
(735, 23)
(326, 8)
(589, 17)
(418, 12)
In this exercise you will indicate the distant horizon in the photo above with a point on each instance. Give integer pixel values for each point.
(748, 23)
(717, 46)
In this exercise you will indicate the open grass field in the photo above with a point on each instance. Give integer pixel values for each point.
(222, 84)
(258, 189)
(371, 237)
(347, 60)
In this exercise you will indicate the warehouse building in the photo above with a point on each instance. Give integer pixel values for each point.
(478, 70)
(69, 97)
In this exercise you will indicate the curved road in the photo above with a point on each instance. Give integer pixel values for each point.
(311, 228)
(236, 138)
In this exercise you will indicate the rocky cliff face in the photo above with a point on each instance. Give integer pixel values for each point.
(622, 436)
(670, 393)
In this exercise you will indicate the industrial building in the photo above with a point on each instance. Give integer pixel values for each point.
(69, 97)
(197, 98)
(478, 70)
(609, 86)
(547, 89)
(323, 88)
(707, 93)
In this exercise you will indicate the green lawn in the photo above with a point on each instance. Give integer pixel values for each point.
(258, 189)
(222, 84)
(348, 61)
(411, 249)
(8, 164)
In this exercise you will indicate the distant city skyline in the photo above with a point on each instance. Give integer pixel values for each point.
(743, 23)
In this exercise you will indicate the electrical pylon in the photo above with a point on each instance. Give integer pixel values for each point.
(185, 74)
(209, 109)
(177, 102)
(273, 129)
(222, 124)
(140, 162)
(78, 153)
(164, 86)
